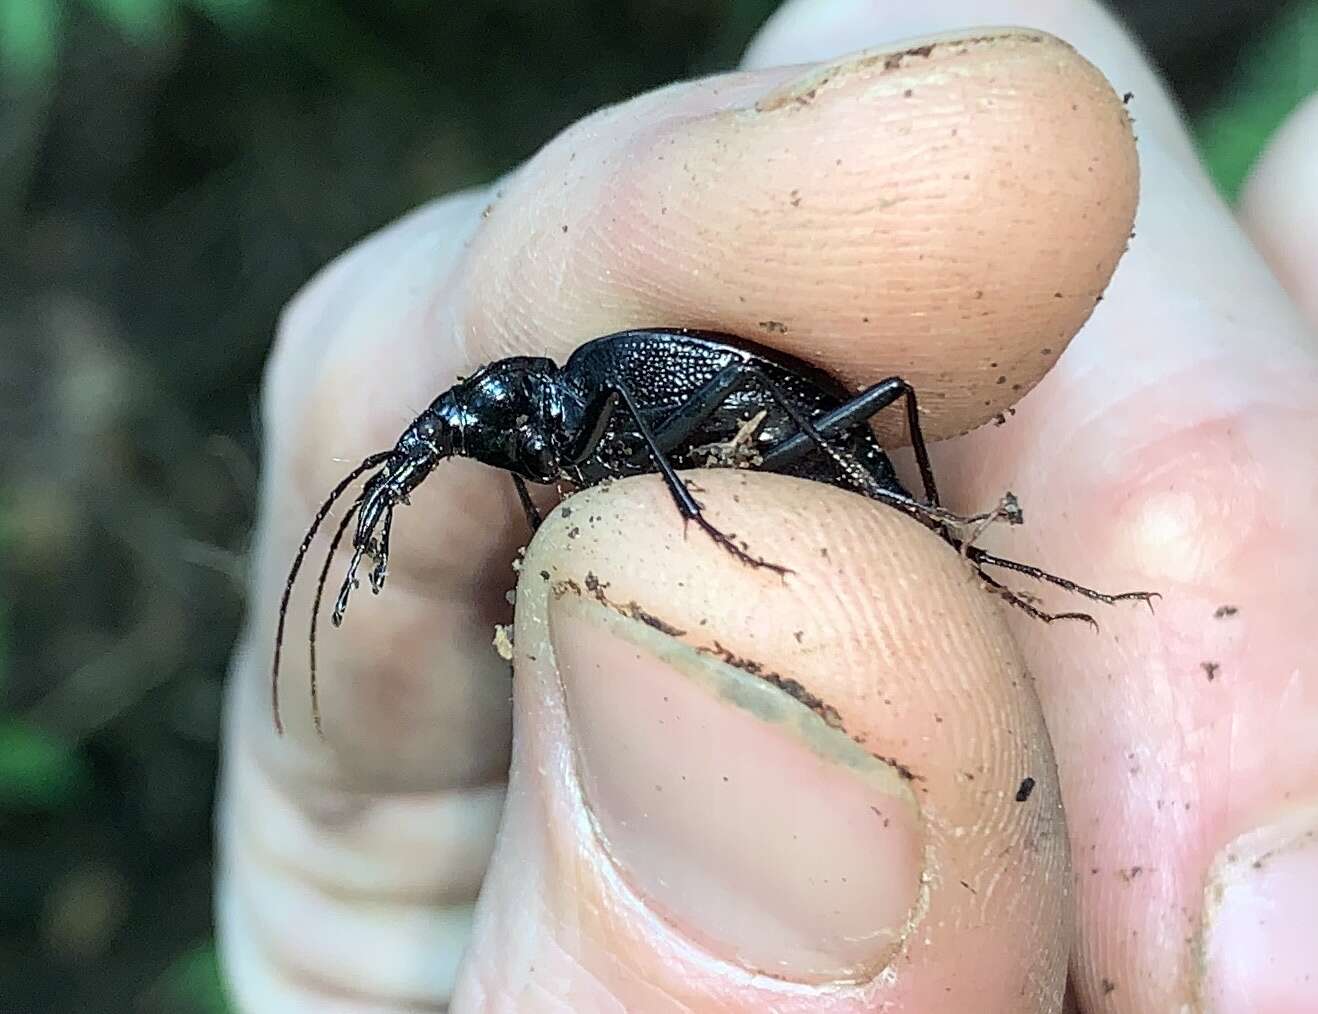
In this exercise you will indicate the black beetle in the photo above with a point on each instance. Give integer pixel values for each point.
(642, 401)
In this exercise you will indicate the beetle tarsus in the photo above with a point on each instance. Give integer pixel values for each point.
(981, 558)
(741, 554)
(1022, 602)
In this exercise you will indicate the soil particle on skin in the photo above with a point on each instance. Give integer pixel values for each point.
(795, 689)
(1130, 873)
(791, 687)
(890, 62)
(633, 610)
(773, 326)
(906, 773)
(896, 59)
(503, 641)
(1109, 987)
(1222, 612)
(1211, 670)
(1026, 789)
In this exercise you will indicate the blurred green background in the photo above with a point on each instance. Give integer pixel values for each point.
(170, 172)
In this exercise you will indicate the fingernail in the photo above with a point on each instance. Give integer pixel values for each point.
(736, 812)
(1261, 922)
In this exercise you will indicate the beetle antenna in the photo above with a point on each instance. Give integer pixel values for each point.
(371, 462)
(315, 605)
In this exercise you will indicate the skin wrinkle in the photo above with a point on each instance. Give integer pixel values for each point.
(334, 890)
(346, 855)
(295, 972)
(259, 980)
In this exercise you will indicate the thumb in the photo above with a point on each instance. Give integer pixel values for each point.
(737, 791)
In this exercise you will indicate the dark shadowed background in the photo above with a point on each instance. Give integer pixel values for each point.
(170, 172)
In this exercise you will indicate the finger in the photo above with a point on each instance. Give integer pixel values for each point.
(1279, 207)
(349, 867)
(856, 212)
(1164, 452)
(731, 790)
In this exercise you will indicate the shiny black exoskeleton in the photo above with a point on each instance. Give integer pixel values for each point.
(653, 400)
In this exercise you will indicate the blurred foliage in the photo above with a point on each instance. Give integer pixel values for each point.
(38, 770)
(170, 172)
(1274, 74)
(192, 982)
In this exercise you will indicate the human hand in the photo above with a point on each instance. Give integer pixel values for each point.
(674, 823)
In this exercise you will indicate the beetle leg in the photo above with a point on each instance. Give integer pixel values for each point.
(590, 441)
(679, 426)
(699, 407)
(861, 408)
(533, 515)
(1026, 606)
(931, 515)
(686, 503)
(980, 558)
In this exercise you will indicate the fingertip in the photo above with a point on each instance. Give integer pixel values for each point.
(728, 784)
(949, 209)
